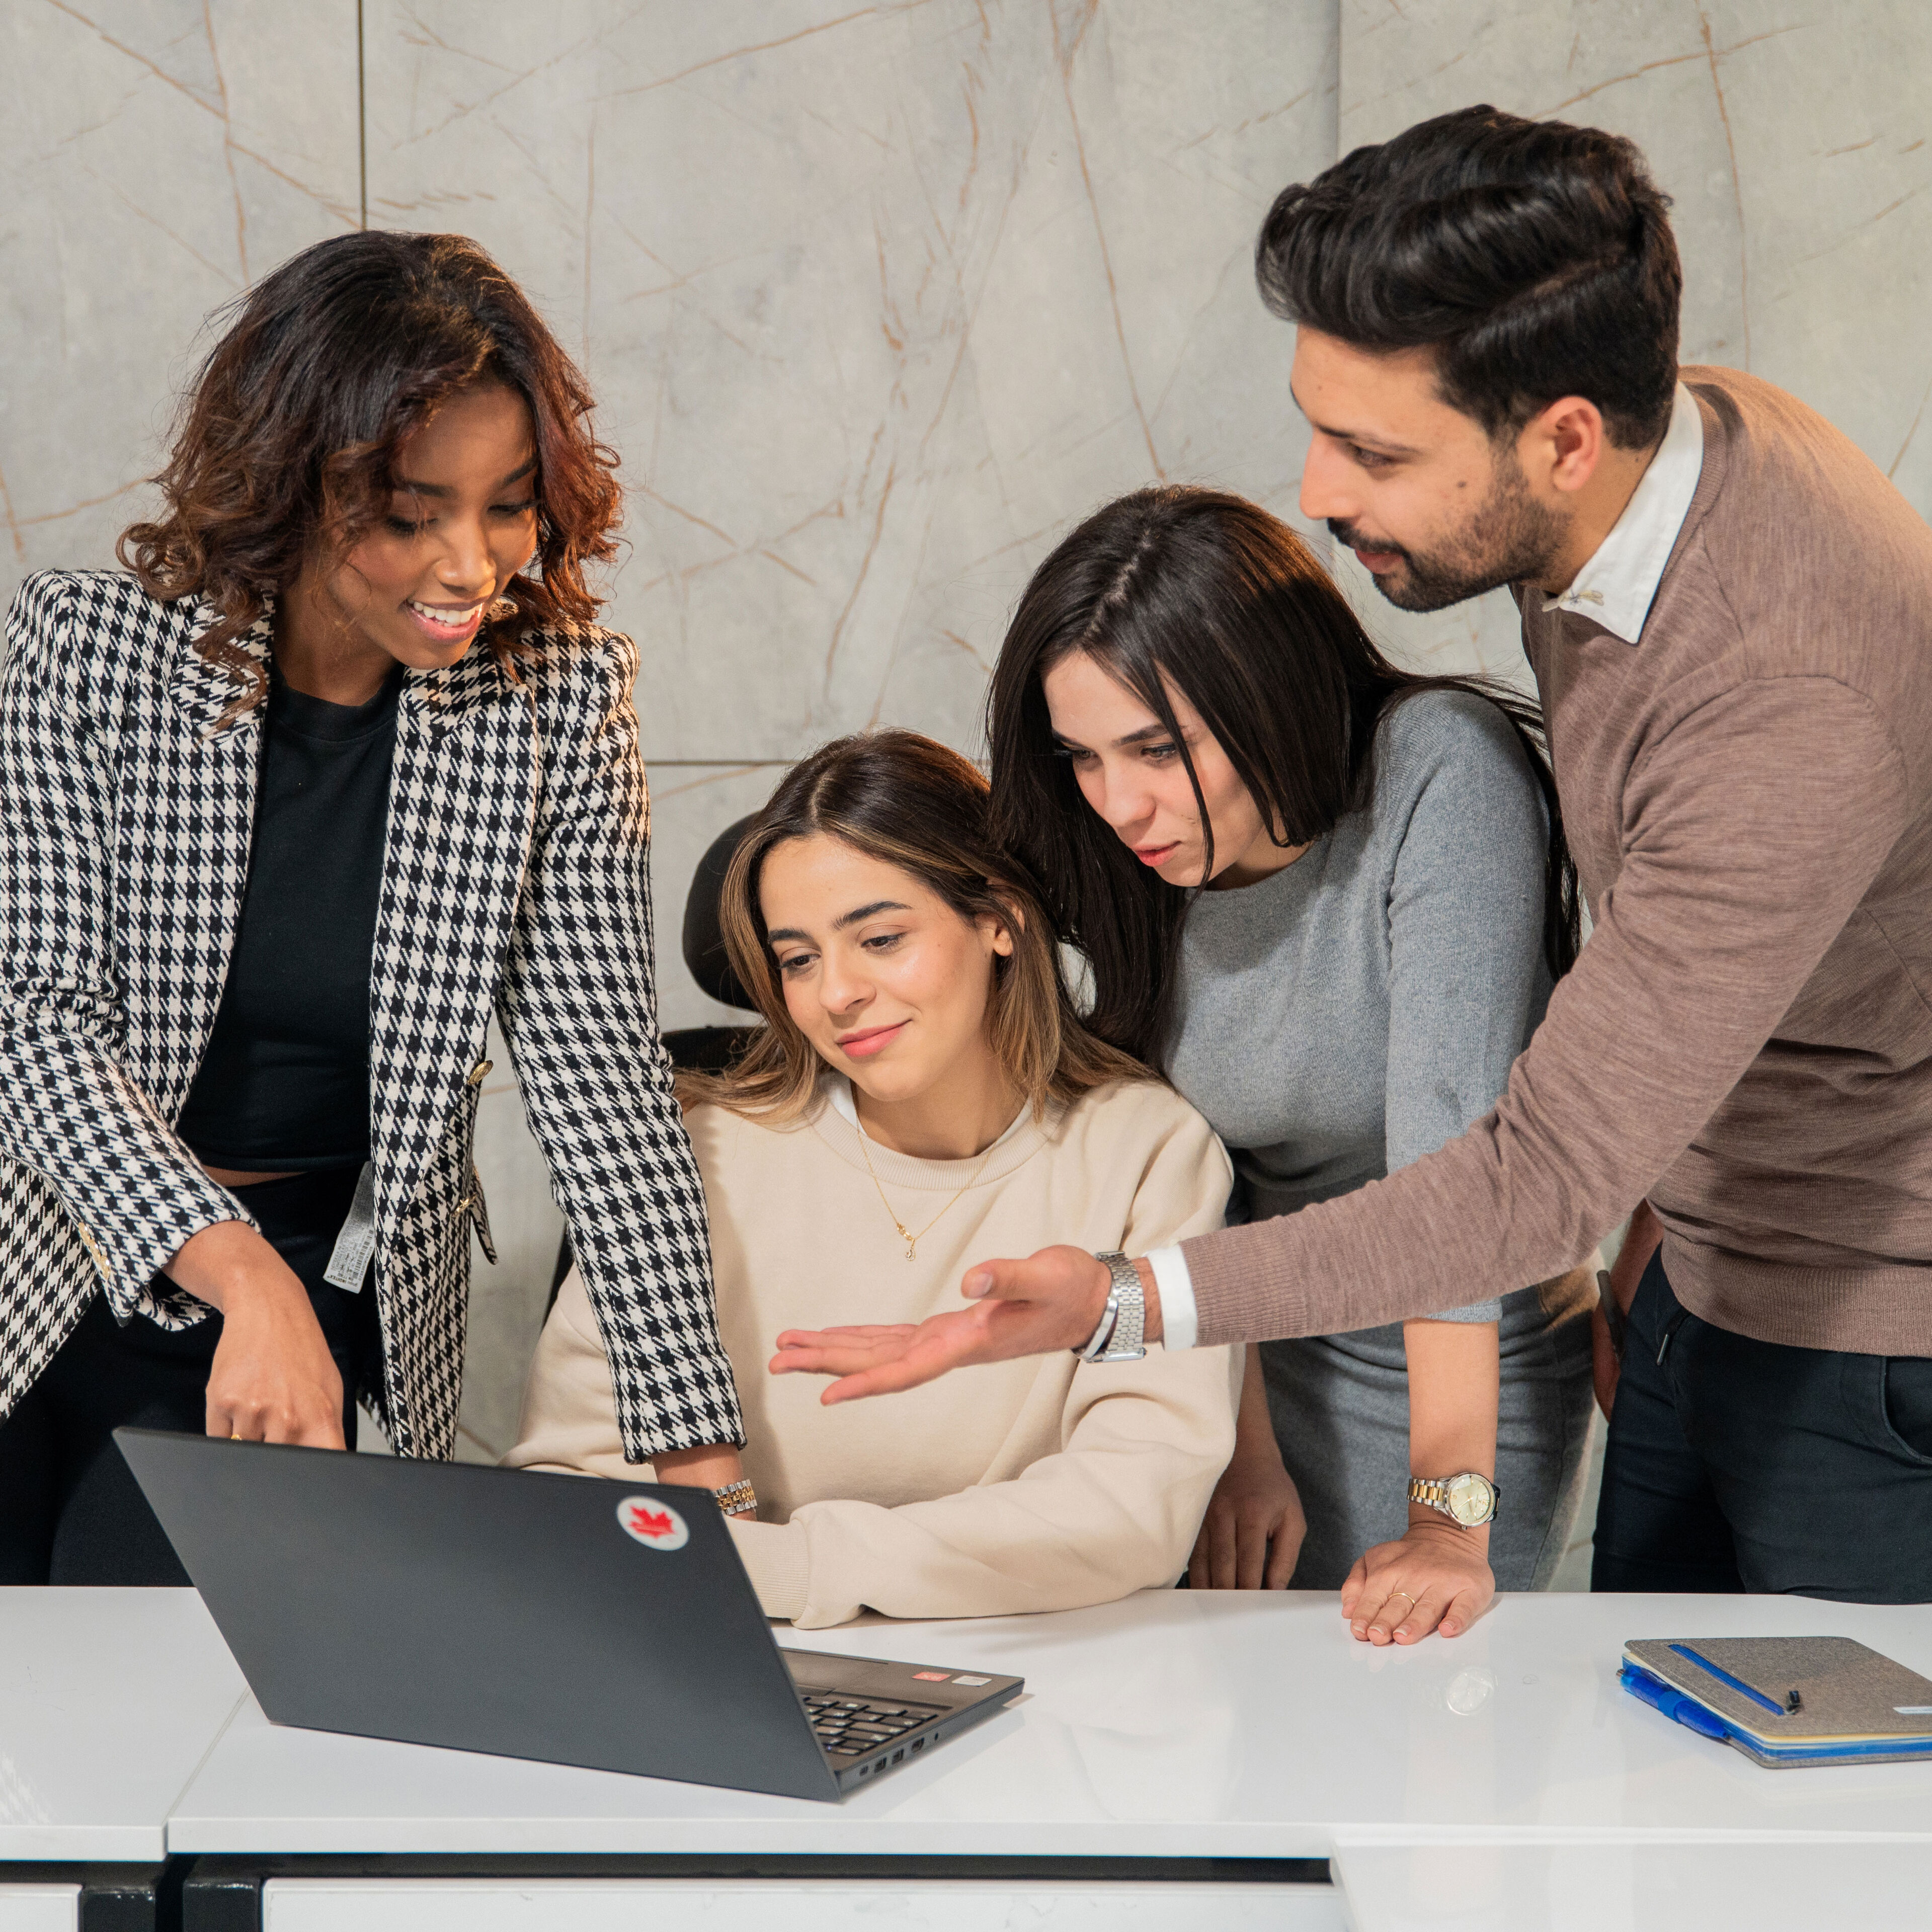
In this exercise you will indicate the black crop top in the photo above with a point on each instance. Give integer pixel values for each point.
(284, 1084)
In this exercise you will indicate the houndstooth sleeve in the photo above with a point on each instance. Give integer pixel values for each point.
(69, 1110)
(578, 1004)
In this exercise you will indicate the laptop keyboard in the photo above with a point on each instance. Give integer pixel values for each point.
(850, 1728)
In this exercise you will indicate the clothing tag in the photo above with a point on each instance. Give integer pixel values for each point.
(349, 1262)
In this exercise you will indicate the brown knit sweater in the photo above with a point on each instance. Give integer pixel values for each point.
(1746, 1038)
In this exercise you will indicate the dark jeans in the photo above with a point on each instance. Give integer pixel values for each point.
(1735, 1465)
(70, 1511)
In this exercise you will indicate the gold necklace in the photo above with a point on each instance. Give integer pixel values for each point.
(906, 1234)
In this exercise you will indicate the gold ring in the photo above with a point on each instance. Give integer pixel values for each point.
(235, 1436)
(1404, 1593)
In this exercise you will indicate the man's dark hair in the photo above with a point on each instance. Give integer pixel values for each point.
(1535, 258)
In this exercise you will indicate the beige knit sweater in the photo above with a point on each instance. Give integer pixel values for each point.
(1041, 1484)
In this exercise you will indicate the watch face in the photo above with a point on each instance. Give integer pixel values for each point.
(1471, 1500)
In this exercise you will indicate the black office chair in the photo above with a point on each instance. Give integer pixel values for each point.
(710, 1049)
(705, 1049)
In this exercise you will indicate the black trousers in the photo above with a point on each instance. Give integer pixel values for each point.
(1735, 1465)
(70, 1511)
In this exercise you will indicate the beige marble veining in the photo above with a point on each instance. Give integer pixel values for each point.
(157, 155)
(1796, 143)
(876, 301)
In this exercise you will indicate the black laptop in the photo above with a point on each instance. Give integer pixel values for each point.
(562, 1618)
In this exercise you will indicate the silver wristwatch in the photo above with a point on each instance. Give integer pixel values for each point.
(1468, 1499)
(1118, 1339)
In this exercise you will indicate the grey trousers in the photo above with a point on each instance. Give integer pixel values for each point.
(1339, 1404)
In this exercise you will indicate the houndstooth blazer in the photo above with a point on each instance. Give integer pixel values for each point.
(515, 875)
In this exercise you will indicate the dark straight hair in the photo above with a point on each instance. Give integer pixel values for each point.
(1534, 258)
(1208, 594)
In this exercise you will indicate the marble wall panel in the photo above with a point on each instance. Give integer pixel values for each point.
(875, 301)
(876, 305)
(1796, 141)
(157, 155)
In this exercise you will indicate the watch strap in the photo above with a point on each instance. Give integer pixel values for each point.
(1433, 1492)
(1119, 1336)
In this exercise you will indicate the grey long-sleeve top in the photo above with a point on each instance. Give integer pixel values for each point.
(1354, 1011)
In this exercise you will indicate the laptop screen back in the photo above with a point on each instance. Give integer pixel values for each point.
(545, 1616)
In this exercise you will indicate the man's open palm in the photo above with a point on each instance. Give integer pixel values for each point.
(1050, 1300)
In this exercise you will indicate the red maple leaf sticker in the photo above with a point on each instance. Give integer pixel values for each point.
(656, 1525)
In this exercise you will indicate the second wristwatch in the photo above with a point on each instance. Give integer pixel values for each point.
(1468, 1499)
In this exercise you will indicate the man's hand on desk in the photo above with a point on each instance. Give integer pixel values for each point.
(1050, 1300)
(1433, 1579)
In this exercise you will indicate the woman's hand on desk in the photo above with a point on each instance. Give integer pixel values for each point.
(1437, 1578)
(1251, 1538)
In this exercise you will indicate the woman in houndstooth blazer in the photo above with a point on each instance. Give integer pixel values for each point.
(363, 600)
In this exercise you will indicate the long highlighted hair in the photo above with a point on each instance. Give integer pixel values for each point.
(899, 797)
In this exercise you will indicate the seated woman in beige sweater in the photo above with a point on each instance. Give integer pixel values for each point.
(922, 1093)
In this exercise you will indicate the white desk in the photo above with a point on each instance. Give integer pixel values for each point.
(1174, 1725)
(1636, 1887)
(108, 1700)
(1500, 1781)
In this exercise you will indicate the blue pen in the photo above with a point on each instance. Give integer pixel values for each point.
(1695, 1717)
(1704, 1664)
(1673, 1703)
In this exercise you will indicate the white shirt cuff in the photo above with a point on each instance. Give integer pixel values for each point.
(1179, 1322)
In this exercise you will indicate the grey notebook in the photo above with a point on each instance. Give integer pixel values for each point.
(1797, 1698)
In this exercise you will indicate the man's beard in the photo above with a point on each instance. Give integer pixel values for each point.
(1510, 539)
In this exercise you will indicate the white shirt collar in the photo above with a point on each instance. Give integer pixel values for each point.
(838, 1090)
(1616, 587)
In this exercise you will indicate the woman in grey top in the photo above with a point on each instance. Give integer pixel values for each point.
(1331, 899)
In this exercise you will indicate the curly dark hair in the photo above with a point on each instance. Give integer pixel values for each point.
(1536, 259)
(289, 435)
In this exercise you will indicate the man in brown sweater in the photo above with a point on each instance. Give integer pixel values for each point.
(1729, 612)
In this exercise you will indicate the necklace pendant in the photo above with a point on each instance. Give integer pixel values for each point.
(912, 1251)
